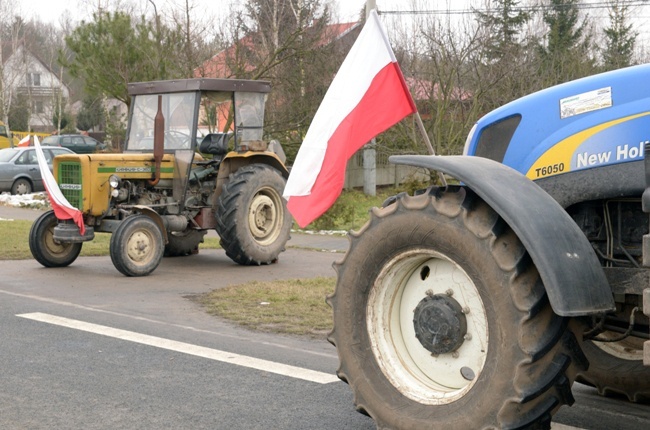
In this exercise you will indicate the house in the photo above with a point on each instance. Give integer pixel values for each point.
(235, 59)
(241, 60)
(26, 77)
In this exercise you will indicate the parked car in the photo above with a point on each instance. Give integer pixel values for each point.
(75, 142)
(19, 171)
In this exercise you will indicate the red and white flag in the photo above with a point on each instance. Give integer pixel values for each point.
(24, 141)
(367, 96)
(62, 207)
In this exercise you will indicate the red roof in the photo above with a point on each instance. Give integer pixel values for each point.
(424, 90)
(219, 66)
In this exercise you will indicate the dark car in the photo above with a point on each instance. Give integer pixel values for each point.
(75, 142)
(19, 171)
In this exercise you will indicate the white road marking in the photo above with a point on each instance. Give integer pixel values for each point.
(186, 348)
(556, 426)
(150, 320)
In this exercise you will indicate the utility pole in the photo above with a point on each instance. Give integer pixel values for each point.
(369, 149)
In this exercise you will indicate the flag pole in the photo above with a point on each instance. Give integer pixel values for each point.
(370, 148)
(427, 141)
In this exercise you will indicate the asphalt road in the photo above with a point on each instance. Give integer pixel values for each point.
(84, 347)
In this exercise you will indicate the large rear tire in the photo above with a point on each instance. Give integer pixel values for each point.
(46, 250)
(252, 218)
(136, 246)
(440, 318)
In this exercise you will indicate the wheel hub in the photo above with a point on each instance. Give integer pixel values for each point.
(139, 247)
(440, 324)
(264, 219)
(409, 302)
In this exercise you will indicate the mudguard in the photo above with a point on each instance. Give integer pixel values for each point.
(572, 275)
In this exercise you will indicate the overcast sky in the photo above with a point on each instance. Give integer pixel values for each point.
(347, 10)
(51, 10)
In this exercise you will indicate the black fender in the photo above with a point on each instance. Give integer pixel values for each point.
(574, 279)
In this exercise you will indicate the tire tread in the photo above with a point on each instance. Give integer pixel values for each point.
(543, 376)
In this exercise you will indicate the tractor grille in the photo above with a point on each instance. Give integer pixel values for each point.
(70, 183)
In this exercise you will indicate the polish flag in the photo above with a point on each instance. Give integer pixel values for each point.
(62, 208)
(24, 141)
(367, 96)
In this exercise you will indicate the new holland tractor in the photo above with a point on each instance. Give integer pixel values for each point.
(477, 305)
(194, 160)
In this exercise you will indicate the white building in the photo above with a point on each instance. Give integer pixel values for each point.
(25, 75)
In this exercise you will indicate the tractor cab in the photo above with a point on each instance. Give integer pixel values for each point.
(196, 110)
(211, 117)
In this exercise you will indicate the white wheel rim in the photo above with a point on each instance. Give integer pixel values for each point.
(427, 379)
(54, 247)
(140, 247)
(265, 217)
(627, 349)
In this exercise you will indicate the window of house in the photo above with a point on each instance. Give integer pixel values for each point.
(37, 107)
(34, 79)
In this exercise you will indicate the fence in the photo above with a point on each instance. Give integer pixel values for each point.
(386, 173)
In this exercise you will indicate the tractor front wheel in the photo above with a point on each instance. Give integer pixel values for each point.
(441, 319)
(46, 250)
(136, 246)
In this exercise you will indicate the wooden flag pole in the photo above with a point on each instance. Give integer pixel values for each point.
(425, 136)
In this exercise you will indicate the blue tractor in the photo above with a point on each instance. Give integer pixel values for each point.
(478, 305)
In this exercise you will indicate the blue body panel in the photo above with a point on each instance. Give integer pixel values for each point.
(599, 120)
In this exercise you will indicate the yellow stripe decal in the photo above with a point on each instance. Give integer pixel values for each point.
(558, 158)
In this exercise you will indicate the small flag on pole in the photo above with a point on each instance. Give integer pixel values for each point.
(367, 96)
(24, 141)
(62, 208)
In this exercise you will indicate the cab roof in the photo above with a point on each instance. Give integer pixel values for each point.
(199, 84)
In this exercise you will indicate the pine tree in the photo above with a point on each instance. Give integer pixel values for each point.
(502, 27)
(566, 55)
(620, 39)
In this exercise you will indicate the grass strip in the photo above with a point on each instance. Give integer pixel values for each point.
(294, 306)
(14, 242)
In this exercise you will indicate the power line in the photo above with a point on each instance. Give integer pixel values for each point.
(579, 6)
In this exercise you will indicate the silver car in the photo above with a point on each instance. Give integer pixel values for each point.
(19, 171)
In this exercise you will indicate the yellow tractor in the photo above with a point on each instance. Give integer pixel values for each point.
(194, 160)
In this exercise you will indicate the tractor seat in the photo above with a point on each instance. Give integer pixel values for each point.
(215, 144)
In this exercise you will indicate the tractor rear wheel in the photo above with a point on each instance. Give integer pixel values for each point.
(617, 368)
(136, 246)
(46, 250)
(440, 318)
(252, 218)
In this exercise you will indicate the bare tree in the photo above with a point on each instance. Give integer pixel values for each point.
(9, 42)
(292, 44)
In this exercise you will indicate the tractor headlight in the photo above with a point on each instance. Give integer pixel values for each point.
(114, 181)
